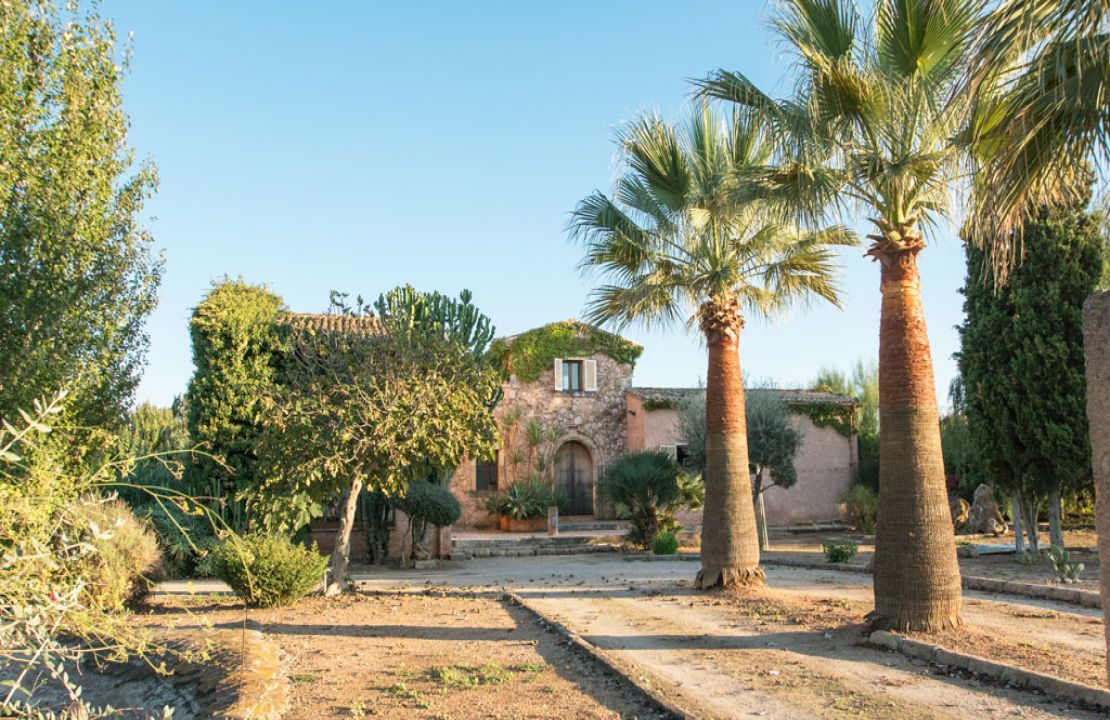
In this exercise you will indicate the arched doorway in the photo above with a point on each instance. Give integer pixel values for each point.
(574, 477)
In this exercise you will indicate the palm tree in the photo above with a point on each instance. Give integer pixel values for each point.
(873, 124)
(672, 243)
(1041, 76)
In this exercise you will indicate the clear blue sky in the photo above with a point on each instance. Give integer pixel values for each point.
(358, 146)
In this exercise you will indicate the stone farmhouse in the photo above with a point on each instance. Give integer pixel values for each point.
(570, 408)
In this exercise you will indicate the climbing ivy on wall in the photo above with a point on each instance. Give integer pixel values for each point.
(838, 417)
(530, 353)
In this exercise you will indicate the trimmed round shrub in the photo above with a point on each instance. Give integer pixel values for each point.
(268, 570)
(665, 544)
(126, 561)
(431, 503)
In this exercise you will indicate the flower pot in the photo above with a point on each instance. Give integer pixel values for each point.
(529, 525)
(503, 523)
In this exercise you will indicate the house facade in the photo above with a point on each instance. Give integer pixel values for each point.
(570, 408)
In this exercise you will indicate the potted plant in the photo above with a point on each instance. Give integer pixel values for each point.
(497, 504)
(526, 504)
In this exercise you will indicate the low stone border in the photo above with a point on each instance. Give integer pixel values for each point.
(1073, 596)
(242, 678)
(605, 658)
(1049, 685)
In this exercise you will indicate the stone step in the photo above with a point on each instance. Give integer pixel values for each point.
(531, 540)
(612, 526)
(529, 550)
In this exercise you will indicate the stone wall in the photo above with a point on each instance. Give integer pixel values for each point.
(826, 464)
(1096, 344)
(595, 419)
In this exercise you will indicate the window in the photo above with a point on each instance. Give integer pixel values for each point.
(575, 375)
(572, 375)
(485, 474)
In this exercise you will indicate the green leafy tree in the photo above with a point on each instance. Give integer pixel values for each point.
(773, 442)
(691, 426)
(236, 350)
(79, 272)
(862, 383)
(672, 243)
(156, 438)
(1022, 363)
(874, 124)
(369, 410)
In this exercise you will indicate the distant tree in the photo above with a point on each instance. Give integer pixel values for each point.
(691, 425)
(863, 385)
(773, 441)
(961, 463)
(153, 438)
(79, 272)
(1022, 361)
(370, 411)
(235, 344)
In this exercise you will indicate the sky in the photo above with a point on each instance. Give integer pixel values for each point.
(360, 146)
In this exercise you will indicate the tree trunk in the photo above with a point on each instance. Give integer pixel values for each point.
(917, 577)
(1055, 519)
(1015, 515)
(760, 510)
(340, 556)
(1029, 518)
(1096, 345)
(729, 543)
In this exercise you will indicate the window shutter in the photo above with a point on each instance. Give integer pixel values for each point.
(670, 450)
(558, 375)
(589, 369)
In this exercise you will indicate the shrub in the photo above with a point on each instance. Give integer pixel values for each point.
(863, 504)
(127, 558)
(529, 498)
(838, 551)
(268, 570)
(186, 539)
(665, 544)
(645, 488)
(497, 503)
(431, 503)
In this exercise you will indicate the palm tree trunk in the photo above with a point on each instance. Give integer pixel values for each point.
(729, 544)
(917, 578)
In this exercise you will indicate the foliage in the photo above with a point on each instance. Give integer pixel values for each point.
(961, 464)
(431, 503)
(863, 507)
(839, 551)
(647, 488)
(498, 503)
(1021, 359)
(60, 600)
(79, 271)
(185, 538)
(358, 410)
(267, 570)
(531, 353)
(773, 441)
(666, 543)
(529, 498)
(374, 509)
(691, 426)
(862, 383)
(1040, 82)
(1066, 571)
(236, 344)
(125, 561)
(672, 238)
(153, 438)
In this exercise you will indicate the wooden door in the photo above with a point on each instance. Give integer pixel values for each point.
(574, 478)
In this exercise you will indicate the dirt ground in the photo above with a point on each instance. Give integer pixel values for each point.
(428, 655)
(798, 650)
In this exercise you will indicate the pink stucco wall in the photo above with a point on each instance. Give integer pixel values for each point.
(825, 463)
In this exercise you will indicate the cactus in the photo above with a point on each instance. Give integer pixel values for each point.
(1066, 571)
